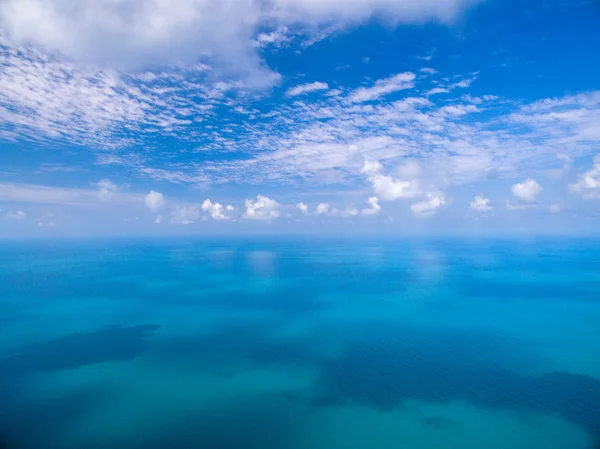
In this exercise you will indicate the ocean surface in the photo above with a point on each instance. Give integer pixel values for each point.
(300, 344)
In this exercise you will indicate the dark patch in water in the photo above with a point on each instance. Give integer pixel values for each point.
(260, 422)
(42, 422)
(245, 344)
(439, 422)
(383, 372)
(110, 344)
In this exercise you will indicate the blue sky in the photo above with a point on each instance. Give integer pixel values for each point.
(299, 116)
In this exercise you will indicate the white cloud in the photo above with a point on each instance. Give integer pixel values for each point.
(459, 110)
(216, 210)
(519, 207)
(40, 194)
(374, 206)
(588, 184)
(323, 209)
(382, 87)
(31, 193)
(430, 206)
(350, 211)
(155, 201)
(437, 90)
(277, 38)
(158, 219)
(185, 214)
(126, 33)
(481, 204)
(16, 215)
(106, 189)
(527, 190)
(387, 187)
(264, 208)
(306, 88)
(302, 208)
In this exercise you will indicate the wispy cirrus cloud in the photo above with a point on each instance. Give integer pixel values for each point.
(104, 192)
(401, 81)
(306, 88)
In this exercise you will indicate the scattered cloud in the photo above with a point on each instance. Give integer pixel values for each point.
(18, 215)
(264, 208)
(47, 222)
(306, 88)
(429, 206)
(401, 81)
(386, 186)
(520, 207)
(106, 189)
(373, 208)
(155, 201)
(216, 210)
(185, 214)
(350, 211)
(481, 204)
(527, 190)
(276, 38)
(323, 209)
(588, 184)
(302, 208)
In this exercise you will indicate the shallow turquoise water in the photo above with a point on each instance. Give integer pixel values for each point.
(300, 343)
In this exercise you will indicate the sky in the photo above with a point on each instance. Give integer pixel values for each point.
(183, 117)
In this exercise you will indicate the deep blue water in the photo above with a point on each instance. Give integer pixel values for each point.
(300, 343)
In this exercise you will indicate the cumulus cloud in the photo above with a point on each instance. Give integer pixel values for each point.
(386, 186)
(323, 209)
(383, 87)
(302, 208)
(155, 201)
(527, 190)
(306, 88)
(264, 208)
(588, 184)
(481, 204)
(106, 189)
(127, 33)
(184, 214)
(429, 206)
(216, 210)
(18, 215)
(374, 206)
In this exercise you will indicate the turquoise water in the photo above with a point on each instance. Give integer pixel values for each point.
(298, 344)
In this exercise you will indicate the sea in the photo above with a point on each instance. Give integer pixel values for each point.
(300, 343)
